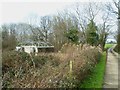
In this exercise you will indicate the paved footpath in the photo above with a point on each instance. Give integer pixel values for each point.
(111, 73)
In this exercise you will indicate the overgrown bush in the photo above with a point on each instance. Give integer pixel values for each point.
(49, 70)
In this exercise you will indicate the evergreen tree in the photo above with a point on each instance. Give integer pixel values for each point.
(72, 35)
(92, 37)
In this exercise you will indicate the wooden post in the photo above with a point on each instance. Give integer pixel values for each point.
(71, 66)
(71, 69)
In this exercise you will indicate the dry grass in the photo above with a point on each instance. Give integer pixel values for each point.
(52, 70)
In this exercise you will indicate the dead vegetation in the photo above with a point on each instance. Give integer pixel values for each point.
(51, 70)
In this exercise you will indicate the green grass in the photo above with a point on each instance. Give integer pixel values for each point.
(95, 79)
(108, 45)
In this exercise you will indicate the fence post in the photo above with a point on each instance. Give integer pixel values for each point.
(70, 65)
(71, 69)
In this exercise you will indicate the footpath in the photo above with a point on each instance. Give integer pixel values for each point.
(111, 73)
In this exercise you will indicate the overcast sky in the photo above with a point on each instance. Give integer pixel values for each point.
(19, 10)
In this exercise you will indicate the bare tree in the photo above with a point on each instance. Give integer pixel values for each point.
(45, 24)
(104, 28)
(23, 33)
(8, 36)
(59, 29)
(85, 14)
(40, 27)
(91, 10)
(81, 20)
(61, 24)
(115, 8)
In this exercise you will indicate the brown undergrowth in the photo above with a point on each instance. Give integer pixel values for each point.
(49, 70)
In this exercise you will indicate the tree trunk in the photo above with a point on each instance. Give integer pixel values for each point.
(118, 38)
(102, 43)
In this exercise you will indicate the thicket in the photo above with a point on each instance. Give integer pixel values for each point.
(49, 70)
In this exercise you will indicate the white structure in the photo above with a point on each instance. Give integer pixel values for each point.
(28, 49)
(32, 49)
(35, 47)
(17, 48)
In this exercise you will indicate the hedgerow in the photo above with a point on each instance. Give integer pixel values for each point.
(49, 70)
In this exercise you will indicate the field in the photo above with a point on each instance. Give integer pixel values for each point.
(108, 45)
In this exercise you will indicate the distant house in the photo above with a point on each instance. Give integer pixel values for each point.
(35, 48)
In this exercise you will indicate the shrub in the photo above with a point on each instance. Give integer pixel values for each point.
(14, 64)
(72, 35)
(39, 60)
(52, 70)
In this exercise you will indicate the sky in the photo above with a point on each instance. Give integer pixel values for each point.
(18, 10)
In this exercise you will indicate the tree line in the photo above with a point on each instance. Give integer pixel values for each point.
(88, 23)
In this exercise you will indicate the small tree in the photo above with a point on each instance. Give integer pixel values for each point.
(72, 35)
(91, 34)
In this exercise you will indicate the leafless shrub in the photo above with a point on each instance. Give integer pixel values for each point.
(52, 70)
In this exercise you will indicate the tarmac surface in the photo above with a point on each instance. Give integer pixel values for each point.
(111, 73)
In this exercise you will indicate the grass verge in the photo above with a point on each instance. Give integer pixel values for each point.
(95, 79)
